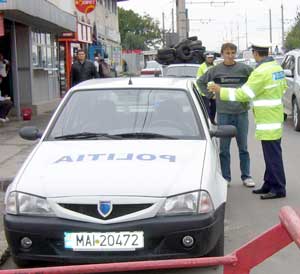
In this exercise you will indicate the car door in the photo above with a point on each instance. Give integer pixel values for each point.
(297, 81)
(289, 63)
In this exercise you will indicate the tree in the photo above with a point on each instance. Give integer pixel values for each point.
(293, 36)
(138, 32)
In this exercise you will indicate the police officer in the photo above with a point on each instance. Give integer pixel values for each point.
(209, 103)
(265, 88)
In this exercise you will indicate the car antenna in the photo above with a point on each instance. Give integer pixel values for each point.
(130, 81)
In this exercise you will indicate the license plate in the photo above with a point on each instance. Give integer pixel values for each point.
(106, 241)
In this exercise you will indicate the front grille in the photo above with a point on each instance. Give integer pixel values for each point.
(118, 210)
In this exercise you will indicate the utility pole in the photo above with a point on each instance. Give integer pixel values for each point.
(172, 20)
(182, 23)
(238, 36)
(246, 26)
(270, 25)
(163, 30)
(282, 26)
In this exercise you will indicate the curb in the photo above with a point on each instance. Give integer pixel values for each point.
(4, 182)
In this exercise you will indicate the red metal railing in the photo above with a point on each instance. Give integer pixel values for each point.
(240, 261)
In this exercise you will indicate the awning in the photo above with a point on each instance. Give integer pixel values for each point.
(40, 14)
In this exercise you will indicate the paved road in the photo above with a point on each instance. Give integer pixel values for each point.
(248, 216)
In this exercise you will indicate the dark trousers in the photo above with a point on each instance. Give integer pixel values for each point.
(5, 107)
(210, 105)
(274, 178)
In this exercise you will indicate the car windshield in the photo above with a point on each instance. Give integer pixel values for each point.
(182, 71)
(127, 114)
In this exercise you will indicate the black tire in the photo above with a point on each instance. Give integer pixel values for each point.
(165, 56)
(181, 43)
(166, 51)
(184, 52)
(193, 38)
(296, 115)
(196, 45)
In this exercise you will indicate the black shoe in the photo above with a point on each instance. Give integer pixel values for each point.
(271, 195)
(260, 191)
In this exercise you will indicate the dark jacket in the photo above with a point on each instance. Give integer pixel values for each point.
(233, 76)
(81, 72)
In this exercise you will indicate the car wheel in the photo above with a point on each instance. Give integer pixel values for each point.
(296, 115)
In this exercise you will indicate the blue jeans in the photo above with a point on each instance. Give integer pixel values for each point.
(241, 122)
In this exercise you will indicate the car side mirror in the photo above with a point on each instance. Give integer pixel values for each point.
(288, 73)
(30, 133)
(223, 131)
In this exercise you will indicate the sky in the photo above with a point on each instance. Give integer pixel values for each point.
(215, 23)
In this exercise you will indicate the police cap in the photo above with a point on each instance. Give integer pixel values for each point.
(209, 54)
(260, 47)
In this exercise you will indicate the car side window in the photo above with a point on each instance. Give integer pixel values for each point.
(201, 103)
(289, 63)
(292, 64)
(284, 62)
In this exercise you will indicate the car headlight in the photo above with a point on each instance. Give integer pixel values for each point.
(188, 203)
(26, 204)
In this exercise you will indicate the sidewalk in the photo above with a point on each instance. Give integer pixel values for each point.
(14, 149)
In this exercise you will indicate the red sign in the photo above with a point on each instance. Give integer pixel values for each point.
(85, 6)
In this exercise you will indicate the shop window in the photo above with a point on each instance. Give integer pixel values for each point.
(44, 55)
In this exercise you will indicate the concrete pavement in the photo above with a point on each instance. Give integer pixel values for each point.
(13, 152)
(13, 148)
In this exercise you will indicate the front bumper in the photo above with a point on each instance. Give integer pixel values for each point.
(163, 238)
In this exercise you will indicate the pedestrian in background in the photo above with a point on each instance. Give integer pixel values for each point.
(265, 88)
(210, 103)
(5, 101)
(82, 69)
(231, 74)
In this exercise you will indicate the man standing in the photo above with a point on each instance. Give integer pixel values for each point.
(265, 88)
(209, 103)
(232, 75)
(82, 69)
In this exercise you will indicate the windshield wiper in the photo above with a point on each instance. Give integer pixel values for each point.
(86, 135)
(146, 135)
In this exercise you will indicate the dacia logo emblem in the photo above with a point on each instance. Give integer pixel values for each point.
(105, 208)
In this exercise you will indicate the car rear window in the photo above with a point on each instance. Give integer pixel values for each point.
(182, 71)
(119, 111)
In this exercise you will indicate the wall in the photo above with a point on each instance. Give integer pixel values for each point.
(24, 61)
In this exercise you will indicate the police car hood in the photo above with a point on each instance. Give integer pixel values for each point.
(119, 167)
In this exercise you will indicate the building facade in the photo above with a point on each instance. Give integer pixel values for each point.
(33, 31)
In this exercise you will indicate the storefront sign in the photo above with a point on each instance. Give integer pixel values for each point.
(85, 6)
(2, 29)
(70, 35)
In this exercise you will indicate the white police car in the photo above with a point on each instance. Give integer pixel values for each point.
(126, 170)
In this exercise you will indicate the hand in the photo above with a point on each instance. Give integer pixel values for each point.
(214, 88)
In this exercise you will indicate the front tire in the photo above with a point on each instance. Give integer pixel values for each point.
(296, 115)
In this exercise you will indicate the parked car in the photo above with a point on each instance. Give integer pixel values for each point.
(127, 169)
(181, 70)
(291, 99)
(152, 68)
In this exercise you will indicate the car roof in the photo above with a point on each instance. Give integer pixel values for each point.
(137, 82)
(183, 65)
(294, 51)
